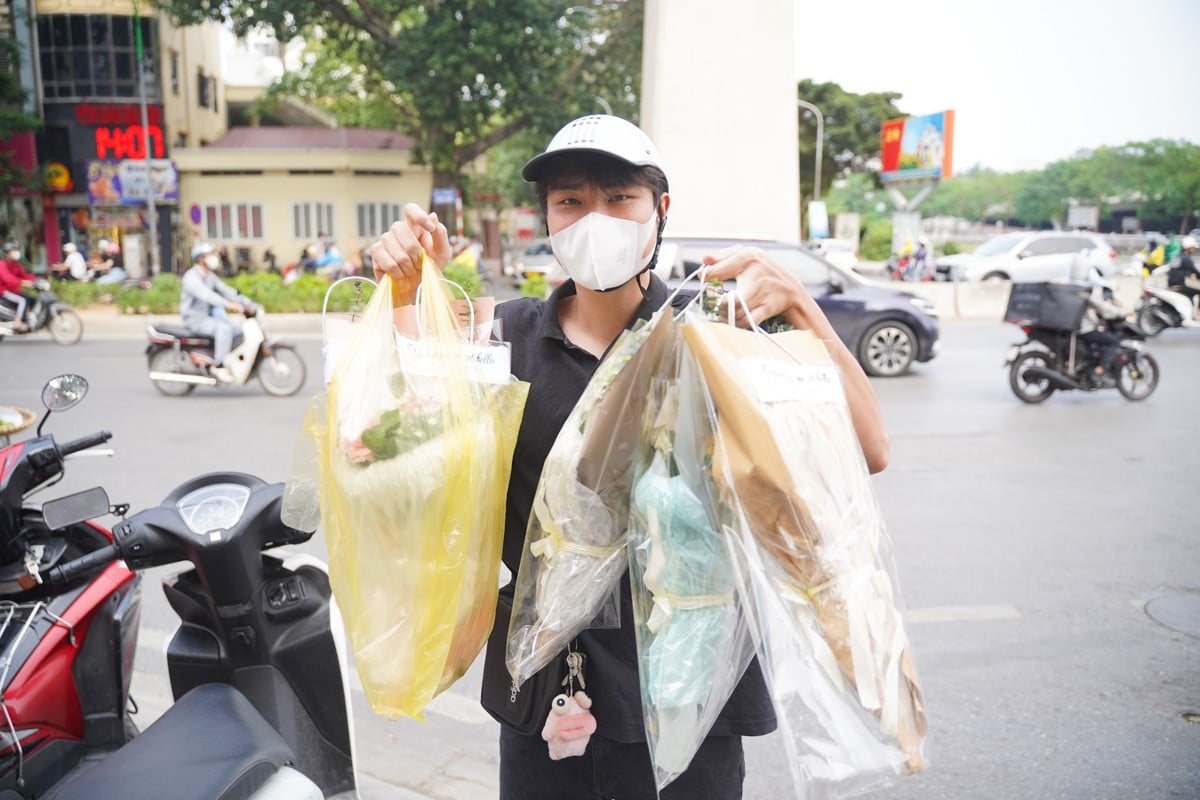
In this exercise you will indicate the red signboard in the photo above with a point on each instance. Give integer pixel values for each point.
(23, 151)
(128, 142)
(116, 115)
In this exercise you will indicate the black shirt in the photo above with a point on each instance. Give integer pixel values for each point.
(558, 372)
(1184, 268)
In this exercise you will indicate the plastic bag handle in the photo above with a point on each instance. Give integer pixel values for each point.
(329, 291)
(467, 297)
(699, 273)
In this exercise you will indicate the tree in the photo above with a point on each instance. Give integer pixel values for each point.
(12, 119)
(853, 123)
(458, 76)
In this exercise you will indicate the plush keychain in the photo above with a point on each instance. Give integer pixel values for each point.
(570, 725)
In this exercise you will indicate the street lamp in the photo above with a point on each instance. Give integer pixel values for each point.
(820, 142)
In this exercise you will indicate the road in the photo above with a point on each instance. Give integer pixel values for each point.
(1047, 554)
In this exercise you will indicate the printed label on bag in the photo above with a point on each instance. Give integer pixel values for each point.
(486, 363)
(777, 381)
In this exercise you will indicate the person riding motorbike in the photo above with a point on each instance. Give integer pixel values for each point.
(204, 302)
(1093, 328)
(13, 278)
(1184, 268)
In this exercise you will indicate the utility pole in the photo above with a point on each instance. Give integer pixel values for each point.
(820, 143)
(151, 208)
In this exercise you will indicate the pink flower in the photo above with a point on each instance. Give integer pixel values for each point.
(357, 452)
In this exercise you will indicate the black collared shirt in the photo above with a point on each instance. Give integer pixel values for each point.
(558, 372)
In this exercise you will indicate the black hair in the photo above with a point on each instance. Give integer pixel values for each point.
(600, 170)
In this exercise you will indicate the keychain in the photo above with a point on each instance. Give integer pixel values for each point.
(570, 724)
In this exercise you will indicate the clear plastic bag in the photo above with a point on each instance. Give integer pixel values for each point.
(693, 641)
(574, 553)
(814, 571)
(414, 454)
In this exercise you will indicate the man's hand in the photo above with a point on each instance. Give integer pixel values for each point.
(399, 251)
(236, 308)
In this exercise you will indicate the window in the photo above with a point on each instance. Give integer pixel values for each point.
(233, 221)
(311, 219)
(175, 72)
(375, 218)
(202, 88)
(213, 91)
(93, 56)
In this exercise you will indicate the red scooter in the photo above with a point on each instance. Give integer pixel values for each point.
(261, 707)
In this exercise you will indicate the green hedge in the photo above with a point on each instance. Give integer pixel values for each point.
(305, 294)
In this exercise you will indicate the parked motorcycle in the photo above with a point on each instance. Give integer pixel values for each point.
(180, 360)
(1053, 359)
(46, 313)
(261, 705)
(1161, 308)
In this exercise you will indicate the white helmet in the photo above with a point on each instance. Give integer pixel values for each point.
(201, 249)
(69, 247)
(1188, 243)
(598, 133)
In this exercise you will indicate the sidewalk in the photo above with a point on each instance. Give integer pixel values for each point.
(105, 322)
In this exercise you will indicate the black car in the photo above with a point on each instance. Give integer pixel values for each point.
(885, 328)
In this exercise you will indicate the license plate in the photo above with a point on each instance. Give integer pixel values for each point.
(1013, 352)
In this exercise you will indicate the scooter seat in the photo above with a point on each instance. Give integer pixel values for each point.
(180, 332)
(210, 745)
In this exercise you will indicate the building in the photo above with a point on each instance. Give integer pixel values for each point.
(280, 188)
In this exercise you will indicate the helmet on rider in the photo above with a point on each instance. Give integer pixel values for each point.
(201, 249)
(1188, 243)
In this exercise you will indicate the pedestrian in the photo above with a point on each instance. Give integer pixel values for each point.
(604, 194)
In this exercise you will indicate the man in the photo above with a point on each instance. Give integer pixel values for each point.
(603, 192)
(73, 266)
(204, 303)
(13, 278)
(1183, 269)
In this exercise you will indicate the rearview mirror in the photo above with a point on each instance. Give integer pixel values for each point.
(1025, 254)
(78, 507)
(64, 392)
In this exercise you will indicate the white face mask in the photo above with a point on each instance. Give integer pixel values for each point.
(211, 261)
(601, 252)
(15, 255)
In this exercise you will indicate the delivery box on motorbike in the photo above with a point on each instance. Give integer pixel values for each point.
(1053, 306)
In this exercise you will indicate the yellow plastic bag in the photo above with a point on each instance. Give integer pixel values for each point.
(414, 453)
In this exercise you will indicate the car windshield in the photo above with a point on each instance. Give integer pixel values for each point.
(999, 245)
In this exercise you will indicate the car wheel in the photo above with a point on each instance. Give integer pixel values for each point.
(888, 349)
(993, 277)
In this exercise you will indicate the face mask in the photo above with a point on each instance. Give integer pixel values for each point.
(601, 252)
(15, 255)
(212, 262)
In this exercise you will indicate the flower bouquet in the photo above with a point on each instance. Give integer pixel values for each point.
(574, 552)
(415, 452)
(693, 643)
(814, 572)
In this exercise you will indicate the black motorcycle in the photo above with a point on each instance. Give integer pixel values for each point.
(46, 313)
(1056, 356)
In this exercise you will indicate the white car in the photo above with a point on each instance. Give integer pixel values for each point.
(1030, 256)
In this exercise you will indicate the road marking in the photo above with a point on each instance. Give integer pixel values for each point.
(920, 616)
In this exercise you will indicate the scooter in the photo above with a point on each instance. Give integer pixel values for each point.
(180, 360)
(47, 313)
(1162, 308)
(256, 667)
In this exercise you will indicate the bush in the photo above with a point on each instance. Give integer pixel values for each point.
(877, 242)
(535, 286)
(77, 294)
(161, 297)
(950, 248)
(464, 276)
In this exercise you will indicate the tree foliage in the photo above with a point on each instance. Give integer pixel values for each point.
(458, 76)
(12, 119)
(853, 123)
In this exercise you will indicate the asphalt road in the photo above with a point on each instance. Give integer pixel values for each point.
(1047, 554)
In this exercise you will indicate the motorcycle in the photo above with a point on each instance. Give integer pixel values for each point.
(46, 313)
(1051, 359)
(251, 664)
(180, 360)
(1161, 308)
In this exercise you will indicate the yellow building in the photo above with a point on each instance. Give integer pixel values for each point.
(279, 188)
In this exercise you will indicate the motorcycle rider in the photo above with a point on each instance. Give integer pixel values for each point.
(1093, 328)
(204, 302)
(13, 278)
(1184, 268)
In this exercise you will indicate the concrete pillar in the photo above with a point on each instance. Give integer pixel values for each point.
(719, 101)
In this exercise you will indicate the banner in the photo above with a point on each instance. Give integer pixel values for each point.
(131, 182)
(918, 147)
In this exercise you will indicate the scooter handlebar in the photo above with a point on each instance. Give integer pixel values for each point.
(84, 442)
(84, 564)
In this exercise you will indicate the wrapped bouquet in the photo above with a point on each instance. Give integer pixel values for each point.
(415, 449)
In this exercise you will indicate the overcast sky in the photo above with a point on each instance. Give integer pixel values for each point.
(1030, 81)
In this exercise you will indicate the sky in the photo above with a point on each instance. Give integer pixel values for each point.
(1030, 81)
